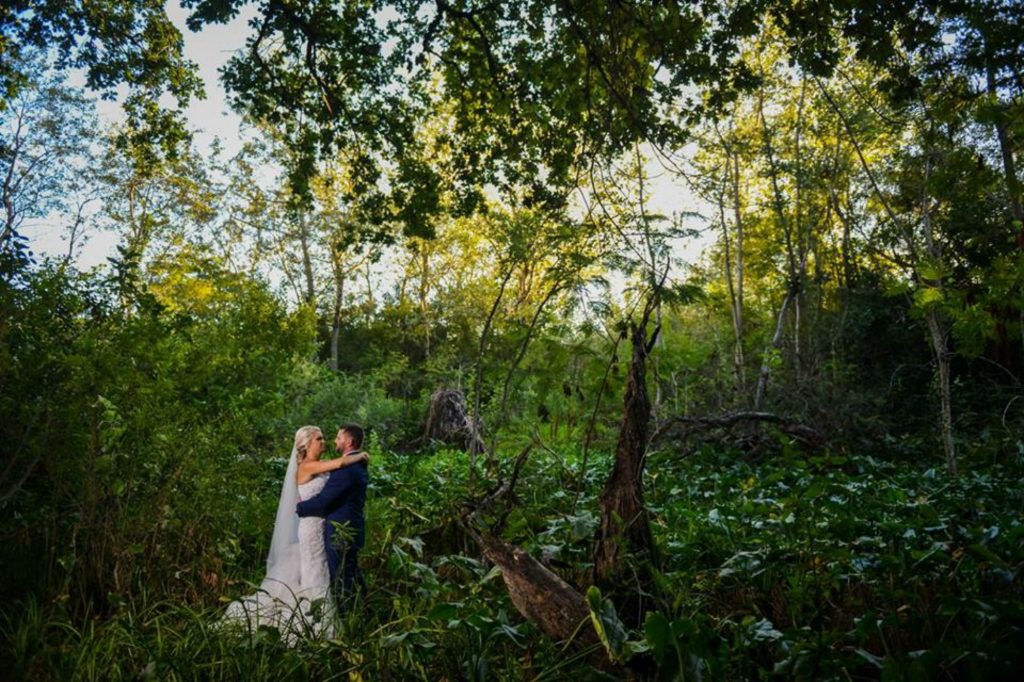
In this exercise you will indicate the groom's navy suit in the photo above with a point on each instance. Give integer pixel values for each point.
(342, 501)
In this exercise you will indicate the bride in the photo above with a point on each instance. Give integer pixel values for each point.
(295, 595)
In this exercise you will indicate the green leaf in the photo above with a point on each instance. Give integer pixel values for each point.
(443, 612)
(609, 628)
(658, 632)
(926, 297)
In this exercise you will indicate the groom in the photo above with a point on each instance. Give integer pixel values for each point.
(341, 504)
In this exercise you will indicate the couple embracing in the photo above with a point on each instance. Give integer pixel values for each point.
(318, 533)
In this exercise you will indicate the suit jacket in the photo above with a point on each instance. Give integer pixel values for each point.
(342, 499)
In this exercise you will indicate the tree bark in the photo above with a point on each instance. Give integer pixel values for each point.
(735, 291)
(762, 378)
(539, 595)
(424, 293)
(339, 292)
(937, 330)
(738, 303)
(307, 260)
(448, 420)
(625, 531)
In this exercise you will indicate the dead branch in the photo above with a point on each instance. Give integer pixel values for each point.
(682, 428)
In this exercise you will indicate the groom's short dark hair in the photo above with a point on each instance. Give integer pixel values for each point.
(355, 432)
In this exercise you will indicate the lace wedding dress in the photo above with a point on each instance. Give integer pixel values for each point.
(295, 596)
(314, 577)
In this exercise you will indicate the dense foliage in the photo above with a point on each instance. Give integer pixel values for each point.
(816, 568)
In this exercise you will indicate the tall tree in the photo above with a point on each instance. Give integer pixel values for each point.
(130, 43)
(48, 140)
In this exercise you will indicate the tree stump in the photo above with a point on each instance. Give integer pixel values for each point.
(625, 531)
(448, 421)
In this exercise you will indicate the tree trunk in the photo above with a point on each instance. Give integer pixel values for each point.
(652, 255)
(477, 446)
(370, 305)
(307, 260)
(799, 238)
(539, 595)
(762, 378)
(625, 531)
(520, 354)
(339, 292)
(13, 150)
(738, 302)
(937, 329)
(589, 436)
(737, 355)
(423, 295)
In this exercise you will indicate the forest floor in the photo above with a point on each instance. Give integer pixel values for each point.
(807, 567)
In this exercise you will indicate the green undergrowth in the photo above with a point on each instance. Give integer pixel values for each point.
(806, 567)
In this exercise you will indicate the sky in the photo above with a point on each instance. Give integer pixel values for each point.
(211, 118)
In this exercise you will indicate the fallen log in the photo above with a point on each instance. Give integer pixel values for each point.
(683, 428)
(539, 595)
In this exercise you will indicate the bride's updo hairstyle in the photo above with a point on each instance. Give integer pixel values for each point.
(302, 438)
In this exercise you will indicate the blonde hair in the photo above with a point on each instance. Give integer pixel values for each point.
(302, 438)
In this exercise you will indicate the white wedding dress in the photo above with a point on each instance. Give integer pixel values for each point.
(314, 575)
(295, 596)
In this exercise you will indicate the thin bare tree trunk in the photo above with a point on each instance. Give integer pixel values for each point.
(940, 348)
(10, 210)
(776, 190)
(589, 437)
(738, 304)
(797, 314)
(1013, 187)
(307, 261)
(766, 368)
(520, 354)
(794, 285)
(938, 330)
(476, 443)
(798, 233)
(737, 355)
(73, 232)
(860, 153)
(370, 306)
(424, 293)
(339, 293)
(653, 256)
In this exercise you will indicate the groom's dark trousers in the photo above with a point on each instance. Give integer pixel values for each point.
(341, 503)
